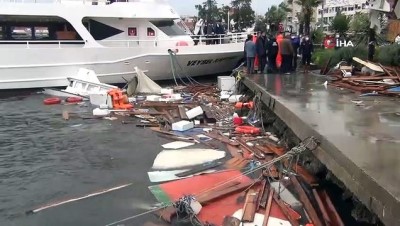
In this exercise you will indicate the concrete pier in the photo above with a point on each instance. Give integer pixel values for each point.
(360, 136)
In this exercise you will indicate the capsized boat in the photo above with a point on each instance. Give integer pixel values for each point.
(82, 85)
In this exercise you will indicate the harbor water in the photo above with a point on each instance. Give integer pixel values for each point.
(45, 159)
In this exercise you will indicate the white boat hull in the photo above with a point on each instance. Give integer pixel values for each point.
(49, 67)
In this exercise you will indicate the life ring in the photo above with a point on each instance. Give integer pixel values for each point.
(74, 99)
(248, 130)
(52, 100)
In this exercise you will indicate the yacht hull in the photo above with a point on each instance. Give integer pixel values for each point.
(49, 67)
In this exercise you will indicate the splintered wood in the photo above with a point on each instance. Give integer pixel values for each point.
(375, 79)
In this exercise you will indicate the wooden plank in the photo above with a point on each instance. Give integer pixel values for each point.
(321, 205)
(256, 153)
(285, 210)
(268, 208)
(306, 202)
(182, 112)
(250, 206)
(217, 193)
(223, 139)
(371, 78)
(261, 194)
(333, 214)
(307, 176)
(234, 150)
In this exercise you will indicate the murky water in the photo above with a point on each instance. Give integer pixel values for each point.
(44, 158)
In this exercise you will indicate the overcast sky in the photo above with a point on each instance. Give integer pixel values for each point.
(186, 7)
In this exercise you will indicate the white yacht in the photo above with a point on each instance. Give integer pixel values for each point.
(42, 42)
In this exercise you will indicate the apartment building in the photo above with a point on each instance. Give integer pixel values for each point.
(324, 13)
(292, 23)
(327, 11)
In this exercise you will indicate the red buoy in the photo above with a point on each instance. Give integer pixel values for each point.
(74, 99)
(248, 130)
(52, 100)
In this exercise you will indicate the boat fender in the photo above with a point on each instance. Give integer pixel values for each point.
(74, 99)
(247, 130)
(52, 101)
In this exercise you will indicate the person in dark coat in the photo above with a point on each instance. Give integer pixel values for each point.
(249, 38)
(261, 48)
(306, 50)
(250, 48)
(286, 50)
(272, 52)
(296, 45)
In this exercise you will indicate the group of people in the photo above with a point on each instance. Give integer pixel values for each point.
(266, 50)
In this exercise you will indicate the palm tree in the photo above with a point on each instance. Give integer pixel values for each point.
(307, 7)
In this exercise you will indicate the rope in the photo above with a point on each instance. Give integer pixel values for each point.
(291, 153)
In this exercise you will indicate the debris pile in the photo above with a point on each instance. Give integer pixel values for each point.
(222, 167)
(219, 170)
(374, 79)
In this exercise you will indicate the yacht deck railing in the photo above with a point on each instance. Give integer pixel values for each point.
(198, 40)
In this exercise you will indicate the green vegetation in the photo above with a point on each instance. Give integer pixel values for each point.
(386, 55)
(340, 24)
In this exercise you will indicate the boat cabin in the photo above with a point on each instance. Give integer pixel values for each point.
(135, 23)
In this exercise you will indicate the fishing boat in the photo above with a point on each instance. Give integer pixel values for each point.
(44, 41)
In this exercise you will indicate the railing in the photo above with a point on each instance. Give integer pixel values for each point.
(198, 40)
(85, 2)
(39, 43)
(89, 2)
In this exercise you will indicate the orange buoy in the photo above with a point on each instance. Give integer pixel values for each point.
(52, 101)
(119, 100)
(74, 99)
(248, 130)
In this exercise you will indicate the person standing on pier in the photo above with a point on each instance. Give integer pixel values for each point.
(286, 50)
(250, 49)
(295, 44)
(306, 50)
(261, 52)
(272, 52)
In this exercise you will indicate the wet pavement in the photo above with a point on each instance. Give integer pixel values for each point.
(360, 136)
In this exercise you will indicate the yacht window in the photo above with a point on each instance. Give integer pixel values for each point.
(150, 32)
(18, 33)
(169, 27)
(132, 31)
(42, 33)
(1, 32)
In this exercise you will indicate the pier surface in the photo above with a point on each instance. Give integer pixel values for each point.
(360, 141)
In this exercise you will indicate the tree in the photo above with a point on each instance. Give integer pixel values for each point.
(244, 15)
(340, 23)
(360, 23)
(307, 8)
(276, 15)
(208, 10)
(260, 24)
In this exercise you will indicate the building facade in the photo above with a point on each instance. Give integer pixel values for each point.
(327, 11)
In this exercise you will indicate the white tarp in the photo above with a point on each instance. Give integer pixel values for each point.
(177, 145)
(142, 84)
(170, 159)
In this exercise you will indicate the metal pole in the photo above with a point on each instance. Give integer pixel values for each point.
(229, 12)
